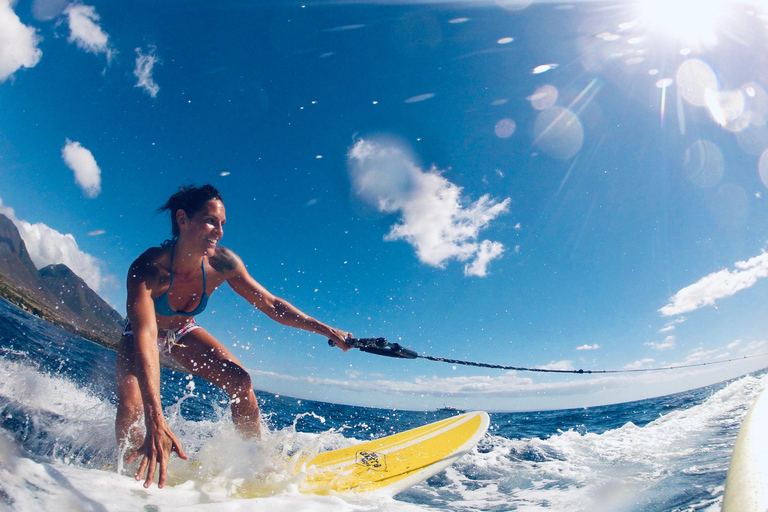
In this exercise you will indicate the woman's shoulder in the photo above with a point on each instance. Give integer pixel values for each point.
(148, 262)
(153, 254)
(224, 259)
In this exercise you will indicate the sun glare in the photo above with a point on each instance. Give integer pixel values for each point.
(691, 21)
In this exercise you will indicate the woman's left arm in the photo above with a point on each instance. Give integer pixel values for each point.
(278, 309)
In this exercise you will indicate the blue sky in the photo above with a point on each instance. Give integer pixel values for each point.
(554, 185)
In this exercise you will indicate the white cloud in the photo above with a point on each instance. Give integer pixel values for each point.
(752, 346)
(638, 365)
(420, 97)
(669, 342)
(433, 215)
(487, 252)
(700, 355)
(670, 326)
(718, 285)
(46, 246)
(558, 365)
(143, 71)
(343, 28)
(588, 347)
(82, 163)
(18, 43)
(85, 31)
(435, 386)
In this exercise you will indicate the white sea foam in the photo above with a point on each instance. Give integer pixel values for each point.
(66, 459)
(222, 475)
(630, 468)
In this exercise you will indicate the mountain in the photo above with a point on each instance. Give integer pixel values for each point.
(17, 266)
(55, 293)
(72, 292)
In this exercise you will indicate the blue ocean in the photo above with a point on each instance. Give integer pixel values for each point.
(57, 448)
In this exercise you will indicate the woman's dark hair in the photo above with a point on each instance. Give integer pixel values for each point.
(191, 199)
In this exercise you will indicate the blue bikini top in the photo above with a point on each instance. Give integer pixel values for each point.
(163, 308)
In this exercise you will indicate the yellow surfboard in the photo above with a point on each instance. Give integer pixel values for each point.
(393, 463)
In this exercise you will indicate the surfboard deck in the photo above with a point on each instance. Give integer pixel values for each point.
(746, 486)
(394, 463)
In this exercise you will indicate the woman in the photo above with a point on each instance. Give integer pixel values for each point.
(167, 287)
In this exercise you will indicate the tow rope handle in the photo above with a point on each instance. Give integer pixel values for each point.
(380, 347)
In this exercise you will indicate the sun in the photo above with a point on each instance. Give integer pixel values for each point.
(693, 22)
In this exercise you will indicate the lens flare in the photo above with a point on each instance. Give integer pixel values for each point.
(691, 21)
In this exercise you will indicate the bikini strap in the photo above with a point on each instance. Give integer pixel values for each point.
(202, 267)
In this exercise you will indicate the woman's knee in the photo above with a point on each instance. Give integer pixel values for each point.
(236, 379)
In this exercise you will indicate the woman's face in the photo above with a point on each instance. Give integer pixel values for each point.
(206, 227)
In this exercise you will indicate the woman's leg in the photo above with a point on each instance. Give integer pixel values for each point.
(130, 406)
(204, 356)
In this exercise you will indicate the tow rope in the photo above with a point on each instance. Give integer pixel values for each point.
(381, 347)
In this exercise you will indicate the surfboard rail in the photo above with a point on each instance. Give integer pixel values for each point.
(746, 486)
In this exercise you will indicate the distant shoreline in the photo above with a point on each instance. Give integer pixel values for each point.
(17, 297)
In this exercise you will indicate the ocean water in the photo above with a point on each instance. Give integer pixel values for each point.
(57, 448)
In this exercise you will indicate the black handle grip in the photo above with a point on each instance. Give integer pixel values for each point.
(363, 342)
(393, 350)
(380, 347)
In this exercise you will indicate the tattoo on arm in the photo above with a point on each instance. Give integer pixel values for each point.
(224, 260)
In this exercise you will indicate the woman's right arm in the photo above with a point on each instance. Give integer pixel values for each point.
(160, 440)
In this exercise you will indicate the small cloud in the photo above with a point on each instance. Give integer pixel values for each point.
(558, 365)
(699, 355)
(753, 346)
(733, 344)
(82, 163)
(486, 252)
(85, 31)
(717, 285)
(96, 232)
(669, 342)
(638, 365)
(420, 97)
(145, 63)
(588, 347)
(670, 326)
(344, 28)
(18, 43)
(434, 217)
